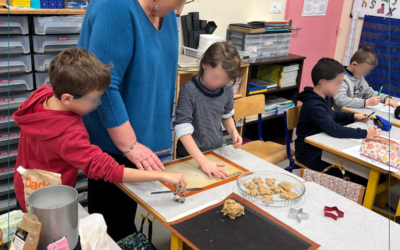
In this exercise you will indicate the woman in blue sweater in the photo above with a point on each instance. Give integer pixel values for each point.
(140, 39)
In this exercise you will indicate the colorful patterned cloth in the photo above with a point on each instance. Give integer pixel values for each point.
(347, 189)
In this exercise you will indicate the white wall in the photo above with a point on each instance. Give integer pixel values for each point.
(224, 12)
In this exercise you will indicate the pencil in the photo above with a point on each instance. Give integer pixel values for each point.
(371, 114)
(380, 90)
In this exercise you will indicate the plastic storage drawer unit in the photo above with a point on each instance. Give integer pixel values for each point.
(58, 25)
(16, 83)
(15, 64)
(42, 61)
(14, 45)
(53, 43)
(42, 79)
(14, 25)
(244, 41)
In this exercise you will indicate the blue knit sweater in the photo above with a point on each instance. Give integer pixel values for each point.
(143, 78)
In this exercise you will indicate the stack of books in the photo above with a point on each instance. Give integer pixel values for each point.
(273, 26)
(284, 76)
(186, 63)
(282, 104)
(257, 86)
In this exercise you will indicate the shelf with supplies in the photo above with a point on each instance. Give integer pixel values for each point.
(184, 77)
(290, 70)
(4, 11)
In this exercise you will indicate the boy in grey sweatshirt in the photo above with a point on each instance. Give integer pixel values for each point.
(355, 91)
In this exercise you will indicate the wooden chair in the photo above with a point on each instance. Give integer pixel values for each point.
(269, 151)
(350, 190)
(291, 119)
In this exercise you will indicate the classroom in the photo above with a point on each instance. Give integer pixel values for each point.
(199, 124)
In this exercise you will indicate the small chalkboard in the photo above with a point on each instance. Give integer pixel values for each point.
(210, 229)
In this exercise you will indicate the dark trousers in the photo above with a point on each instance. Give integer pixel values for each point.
(118, 208)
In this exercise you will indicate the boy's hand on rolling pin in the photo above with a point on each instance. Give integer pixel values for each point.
(373, 131)
(212, 168)
(373, 101)
(175, 179)
(361, 117)
(237, 140)
(390, 102)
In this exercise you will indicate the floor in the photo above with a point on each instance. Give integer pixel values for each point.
(161, 235)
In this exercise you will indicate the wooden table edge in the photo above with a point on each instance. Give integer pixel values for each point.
(140, 202)
(355, 112)
(344, 155)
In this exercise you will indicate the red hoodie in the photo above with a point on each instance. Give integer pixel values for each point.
(57, 141)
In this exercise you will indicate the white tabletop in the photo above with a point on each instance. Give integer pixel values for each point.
(82, 213)
(359, 229)
(384, 115)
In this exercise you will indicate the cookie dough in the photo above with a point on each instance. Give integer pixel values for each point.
(232, 209)
(279, 190)
(273, 188)
(264, 190)
(254, 192)
(249, 185)
(286, 186)
(269, 199)
(289, 195)
(258, 180)
(270, 181)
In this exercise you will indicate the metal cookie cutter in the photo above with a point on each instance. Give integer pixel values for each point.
(329, 212)
(179, 199)
(298, 214)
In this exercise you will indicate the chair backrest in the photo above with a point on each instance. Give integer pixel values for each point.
(248, 106)
(350, 190)
(292, 116)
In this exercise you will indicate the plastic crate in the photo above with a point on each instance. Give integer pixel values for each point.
(14, 45)
(14, 25)
(16, 83)
(42, 61)
(42, 79)
(192, 52)
(15, 64)
(58, 25)
(54, 43)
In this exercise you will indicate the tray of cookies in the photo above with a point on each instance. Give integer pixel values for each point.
(270, 188)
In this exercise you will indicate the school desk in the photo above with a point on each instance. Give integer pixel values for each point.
(335, 147)
(82, 213)
(384, 115)
(359, 229)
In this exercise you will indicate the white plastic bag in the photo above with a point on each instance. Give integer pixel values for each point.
(93, 232)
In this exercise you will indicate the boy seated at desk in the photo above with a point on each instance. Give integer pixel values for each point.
(53, 136)
(317, 116)
(355, 91)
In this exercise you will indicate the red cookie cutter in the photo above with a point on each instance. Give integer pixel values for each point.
(328, 212)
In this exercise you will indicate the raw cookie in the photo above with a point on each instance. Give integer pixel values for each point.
(254, 192)
(249, 185)
(232, 209)
(248, 191)
(273, 188)
(269, 199)
(279, 190)
(264, 190)
(289, 195)
(286, 186)
(258, 180)
(270, 181)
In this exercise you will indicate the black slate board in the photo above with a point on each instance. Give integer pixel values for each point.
(210, 229)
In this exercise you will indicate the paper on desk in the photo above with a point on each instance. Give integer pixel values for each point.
(382, 108)
(355, 152)
(359, 141)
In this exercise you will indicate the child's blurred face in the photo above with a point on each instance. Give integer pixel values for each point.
(214, 78)
(360, 70)
(332, 87)
(82, 105)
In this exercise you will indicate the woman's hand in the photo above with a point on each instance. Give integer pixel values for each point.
(175, 179)
(145, 159)
(212, 168)
(361, 117)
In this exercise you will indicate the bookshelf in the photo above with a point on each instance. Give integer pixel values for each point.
(273, 126)
(4, 11)
(184, 77)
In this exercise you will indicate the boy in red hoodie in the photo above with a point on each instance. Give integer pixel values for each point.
(53, 136)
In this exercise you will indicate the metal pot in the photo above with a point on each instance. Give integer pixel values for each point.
(57, 209)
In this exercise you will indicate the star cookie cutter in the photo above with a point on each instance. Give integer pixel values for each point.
(329, 212)
(179, 199)
(298, 214)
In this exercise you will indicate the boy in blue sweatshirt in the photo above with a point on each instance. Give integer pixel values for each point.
(317, 116)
